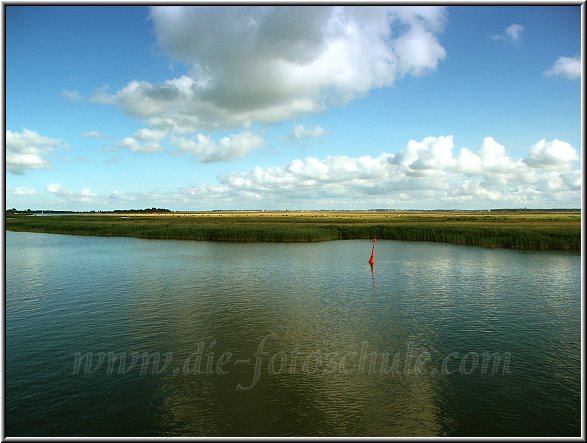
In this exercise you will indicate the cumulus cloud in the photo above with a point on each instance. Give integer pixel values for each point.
(102, 95)
(71, 95)
(55, 188)
(119, 197)
(494, 160)
(512, 34)
(84, 196)
(267, 63)
(301, 131)
(28, 150)
(23, 191)
(134, 145)
(425, 172)
(147, 134)
(566, 67)
(556, 154)
(418, 52)
(182, 124)
(228, 148)
(473, 192)
(93, 134)
(431, 173)
(430, 154)
(144, 140)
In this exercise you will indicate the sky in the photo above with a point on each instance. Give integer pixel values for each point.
(292, 107)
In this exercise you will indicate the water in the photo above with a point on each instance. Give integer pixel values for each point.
(288, 339)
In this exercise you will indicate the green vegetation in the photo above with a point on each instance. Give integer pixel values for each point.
(543, 231)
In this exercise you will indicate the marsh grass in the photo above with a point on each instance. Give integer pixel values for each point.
(515, 231)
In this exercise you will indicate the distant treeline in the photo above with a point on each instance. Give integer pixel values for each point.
(537, 210)
(163, 210)
(37, 211)
(116, 211)
(139, 211)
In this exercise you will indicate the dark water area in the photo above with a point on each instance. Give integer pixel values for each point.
(130, 337)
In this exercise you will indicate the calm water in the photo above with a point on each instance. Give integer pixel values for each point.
(122, 337)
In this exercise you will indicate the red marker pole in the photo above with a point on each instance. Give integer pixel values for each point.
(372, 258)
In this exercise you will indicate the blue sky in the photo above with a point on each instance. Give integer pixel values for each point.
(194, 108)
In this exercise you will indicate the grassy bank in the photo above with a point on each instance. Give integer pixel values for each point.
(536, 231)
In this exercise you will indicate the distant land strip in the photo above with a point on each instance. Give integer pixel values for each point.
(555, 230)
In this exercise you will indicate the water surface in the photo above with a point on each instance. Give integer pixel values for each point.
(288, 339)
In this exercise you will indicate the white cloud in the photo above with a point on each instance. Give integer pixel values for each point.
(144, 140)
(93, 134)
(102, 95)
(55, 188)
(182, 124)
(494, 159)
(429, 154)
(27, 150)
(512, 34)
(555, 154)
(23, 191)
(422, 174)
(203, 147)
(266, 64)
(301, 131)
(418, 52)
(134, 145)
(86, 195)
(118, 196)
(472, 192)
(428, 174)
(228, 148)
(71, 95)
(567, 67)
(147, 134)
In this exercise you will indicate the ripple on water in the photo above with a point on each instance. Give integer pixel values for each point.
(321, 315)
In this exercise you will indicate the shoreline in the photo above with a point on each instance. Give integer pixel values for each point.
(546, 231)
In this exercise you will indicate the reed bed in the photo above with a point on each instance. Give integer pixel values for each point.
(515, 231)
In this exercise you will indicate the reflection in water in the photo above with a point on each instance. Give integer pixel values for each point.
(290, 339)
